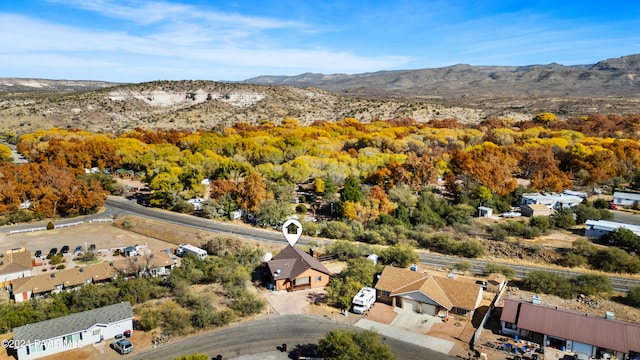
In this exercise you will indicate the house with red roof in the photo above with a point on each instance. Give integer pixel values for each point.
(293, 269)
(598, 337)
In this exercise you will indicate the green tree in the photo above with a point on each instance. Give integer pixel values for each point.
(351, 190)
(340, 291)
(463, 266)
(399, 255)
(625, 238)
(272, 212)
(548, 283)
(501, 269)
(633, 297)
(345, 344)
(590, 284)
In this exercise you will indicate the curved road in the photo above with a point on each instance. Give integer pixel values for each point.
(123, 206)
(265, 334)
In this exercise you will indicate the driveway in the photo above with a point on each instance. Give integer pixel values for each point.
(292, 303)
(411, 327)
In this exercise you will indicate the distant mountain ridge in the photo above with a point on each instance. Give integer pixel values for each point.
(611, 77)
(464, 92)
(15, 85)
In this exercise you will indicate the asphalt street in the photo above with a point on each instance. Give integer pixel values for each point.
(267, 334)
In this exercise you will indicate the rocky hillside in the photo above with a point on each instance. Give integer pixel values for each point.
(468, 93)
(205, 105)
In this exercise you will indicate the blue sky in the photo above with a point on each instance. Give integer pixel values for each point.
(145, 40)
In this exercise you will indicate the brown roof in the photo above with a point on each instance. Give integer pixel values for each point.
(537, 207)
(66, 278)
(463, 295)
(292, 262)
(16, 261)
(496, 278)
(446, 292)
(588, 329)
(510, 311)
(393, 278)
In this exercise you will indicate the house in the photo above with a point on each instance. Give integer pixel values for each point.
(596, 337)
(72, 331)
(625, 198)
(495, 282)
(427, 294)
(597, 228)
(484, 211)
(553, 201)
(293, 269)
(156, 264)
(531, 210)
(15, 264)
(25, 288)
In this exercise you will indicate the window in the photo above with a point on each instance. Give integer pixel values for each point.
(385, 293)
(512, 326)
(461, 311)
(302, 281)
(318, 278)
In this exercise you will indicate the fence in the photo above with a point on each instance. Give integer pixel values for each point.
(487, 315)
(59, 226)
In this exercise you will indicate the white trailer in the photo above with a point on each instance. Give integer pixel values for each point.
(190, 249)
(363, 300)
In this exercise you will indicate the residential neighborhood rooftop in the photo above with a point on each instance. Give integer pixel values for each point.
(64, 325)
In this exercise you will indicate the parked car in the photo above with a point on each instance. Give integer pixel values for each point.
(123, 346)
(38, 253)
(65, 249)
(78, 250)
(53, 251)
(613, 206)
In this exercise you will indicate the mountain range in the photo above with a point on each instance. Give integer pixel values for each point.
(468, 93)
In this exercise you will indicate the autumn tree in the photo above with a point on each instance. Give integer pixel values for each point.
(488, 165)
(544, 118)
(252, 191)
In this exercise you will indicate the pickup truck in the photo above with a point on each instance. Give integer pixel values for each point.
(123, 346)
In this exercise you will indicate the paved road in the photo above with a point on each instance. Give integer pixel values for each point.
(17, 157)
(119, 206)
(265, 334)
(116, 205)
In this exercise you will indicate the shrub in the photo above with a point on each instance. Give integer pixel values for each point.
(50, 226)
(60, 267)
(633, 297)
(301, 209)
(501, 269)
(463, 266)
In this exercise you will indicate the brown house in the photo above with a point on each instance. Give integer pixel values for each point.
(293, 269)
(54, 282)
(598, 337)
(532, 210)
(427, 294)
(495, 282)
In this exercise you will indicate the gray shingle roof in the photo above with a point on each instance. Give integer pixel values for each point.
(55, 328)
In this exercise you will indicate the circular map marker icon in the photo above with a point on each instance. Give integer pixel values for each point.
(292, 230)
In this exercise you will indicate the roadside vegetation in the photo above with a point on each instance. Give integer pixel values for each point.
(176, 309)
(394, 183)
